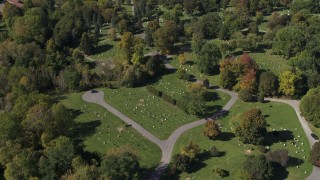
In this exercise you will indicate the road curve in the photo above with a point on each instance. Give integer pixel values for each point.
(98, 98)
(315, 175)
(166, 146)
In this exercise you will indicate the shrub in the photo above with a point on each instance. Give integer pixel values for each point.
(245, 95)
(168, 99)
(182, 74)
(214, 152)
(220, 172)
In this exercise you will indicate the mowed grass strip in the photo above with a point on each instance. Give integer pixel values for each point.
(101, 131)
(280, 117)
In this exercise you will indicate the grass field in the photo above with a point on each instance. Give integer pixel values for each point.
(101, 131)
(274, 63)
(153, 113)
(280, 117)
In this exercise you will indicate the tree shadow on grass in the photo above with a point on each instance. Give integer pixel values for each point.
(211, 111)
(225, 136)
(279, 172)
(196, 166)
(85, 129)
(293, 161)
(102, 48)
(211, 96)
(278, 136)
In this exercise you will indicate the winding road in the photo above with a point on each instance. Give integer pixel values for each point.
(166, 146)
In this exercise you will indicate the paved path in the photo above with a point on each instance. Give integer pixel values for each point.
(166, 146)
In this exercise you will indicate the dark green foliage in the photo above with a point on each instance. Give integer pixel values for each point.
(192, 104)
(310, 106)
(86, 44)
(268, 84)
(124, 165)
(209, 57)
(245, 95)
(181, 162)
(289, 41)
(258, 168)
(315, 155)
(56, 159)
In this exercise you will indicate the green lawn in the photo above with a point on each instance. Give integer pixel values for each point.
(279, 117)
(153, 113)
(100, 131)
(274, 63)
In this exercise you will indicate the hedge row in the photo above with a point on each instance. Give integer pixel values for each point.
(154, 91)
(169, 99)
(158, 93)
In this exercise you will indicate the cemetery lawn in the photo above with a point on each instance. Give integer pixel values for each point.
(153, 113)
(278, 116)
(100, 134)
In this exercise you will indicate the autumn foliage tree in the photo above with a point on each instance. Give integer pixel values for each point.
(251, 127)
(211, 130)
(239, 74)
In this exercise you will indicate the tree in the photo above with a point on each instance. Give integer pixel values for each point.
(212, 130)
(315, 154)
(191, 104)
(192, 151)
(181, 162)
(287, 81)
(57, 158)
(208, 57)
(86, 44)
(82, 170)
(120, 164)
(126, 45)
(289, 41)
(257, 167)
(197, 42)
(245, 95)
(279, 156)
(268, 83)
(248, 81)
(31, 27)
(252, 127)
(23, 165)
(36, 122)
(197, 90)
(310, 108)
(182, 58)
(165, 37)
